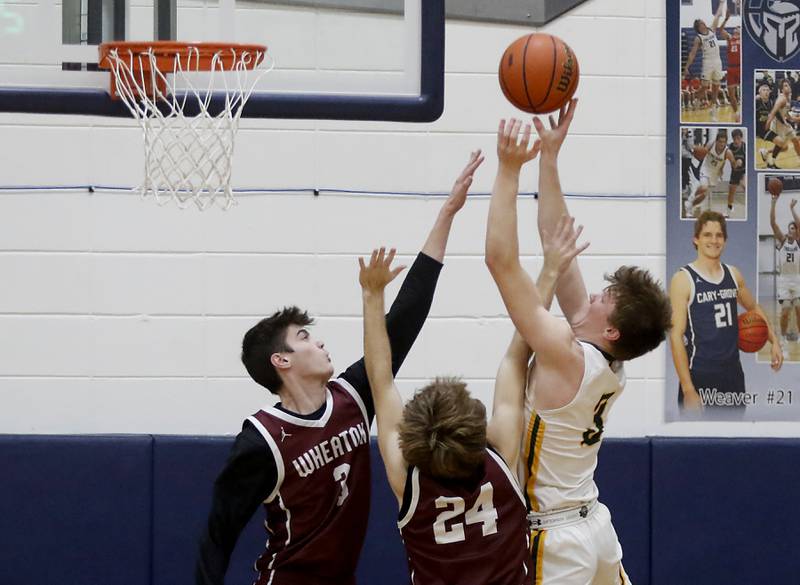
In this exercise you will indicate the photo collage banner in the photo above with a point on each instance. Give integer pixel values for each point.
(733, 186)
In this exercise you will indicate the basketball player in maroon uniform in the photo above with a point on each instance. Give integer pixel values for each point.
(307, 458)
(462, 513)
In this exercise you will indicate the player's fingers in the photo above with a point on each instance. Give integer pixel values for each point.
(502, 138)
(361, 263)
(390, 256)
(526, 134)
(397, 271)
(514, 137)
(552, 122)
(537, 146)
(381, 254)
(373, 257)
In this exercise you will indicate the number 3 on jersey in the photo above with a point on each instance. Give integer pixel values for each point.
(482, 512)
(340, 474)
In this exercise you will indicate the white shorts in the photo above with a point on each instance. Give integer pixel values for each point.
(585, 553)
(704, 181)
(783, 130)
(712, 71)
(788, 288)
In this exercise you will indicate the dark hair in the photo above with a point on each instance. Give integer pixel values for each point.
(642, 312)
(268, 336)
(706, 217)
(443, 431)
(736, 133)
(696, 25)
(786, 81)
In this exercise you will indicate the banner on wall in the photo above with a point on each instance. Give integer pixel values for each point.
(733, 186)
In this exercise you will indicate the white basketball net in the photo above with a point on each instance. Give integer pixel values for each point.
(187, 158)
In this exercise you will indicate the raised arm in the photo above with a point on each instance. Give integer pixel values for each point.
(718, 14)
(571, 290)
(506, 425)
(746, 299)
(690, 59)
(378, 359)
(436, 244)
(721, 28)
(410, 309)
(679, 291)
(795, 217)
(549, 337)
(776, 229)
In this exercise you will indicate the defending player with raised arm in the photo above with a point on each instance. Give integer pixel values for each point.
(705, 328)
(450, 471)
(733, 76)
(306, 459)
(577, 373)
(788, 284)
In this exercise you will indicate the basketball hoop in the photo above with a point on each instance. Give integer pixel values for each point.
(189, 132)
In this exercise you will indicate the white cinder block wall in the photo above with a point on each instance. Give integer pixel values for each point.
(119, 316)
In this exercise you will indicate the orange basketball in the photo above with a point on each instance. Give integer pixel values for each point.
(775, 186)
(539, 73)
(699, 152)
(753, 332)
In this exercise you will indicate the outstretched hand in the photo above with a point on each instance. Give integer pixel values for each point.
(513, 150)
(458, 194)
(553, 138)
(792, 203)
(379, 272)
(559, 245)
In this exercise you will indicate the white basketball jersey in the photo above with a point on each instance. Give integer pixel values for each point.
(713, 162)
(789, 255)
(560, 445)
(710, 46)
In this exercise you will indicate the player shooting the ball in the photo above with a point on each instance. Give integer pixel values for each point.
(578, 370)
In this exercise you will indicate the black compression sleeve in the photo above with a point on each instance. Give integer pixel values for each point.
(246, 481)
(403, 322)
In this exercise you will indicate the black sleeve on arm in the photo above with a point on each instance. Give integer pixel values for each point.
(248, 478)
(403, 322)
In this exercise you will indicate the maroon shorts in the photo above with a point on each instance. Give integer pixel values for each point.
(734, 76)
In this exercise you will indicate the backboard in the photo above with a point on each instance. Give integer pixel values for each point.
(329, 63)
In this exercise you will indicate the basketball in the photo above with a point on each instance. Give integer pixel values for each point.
(539, 73)
(699, 152)
(753, 332)
(775, 186)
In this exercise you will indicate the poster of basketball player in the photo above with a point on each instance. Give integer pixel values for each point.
(779, 260)
(777, 115)
(710, 62)
(714, 171)
(732, 354)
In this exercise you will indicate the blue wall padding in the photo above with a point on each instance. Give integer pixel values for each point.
(75, 510)
(184, 470)
(128, 510)
(725, 511)
(623, 478)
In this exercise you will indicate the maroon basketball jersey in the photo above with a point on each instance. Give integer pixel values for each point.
(466, 536)
(317, 514)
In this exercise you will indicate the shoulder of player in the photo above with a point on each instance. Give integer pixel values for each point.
(737, 274)
(681, 281)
